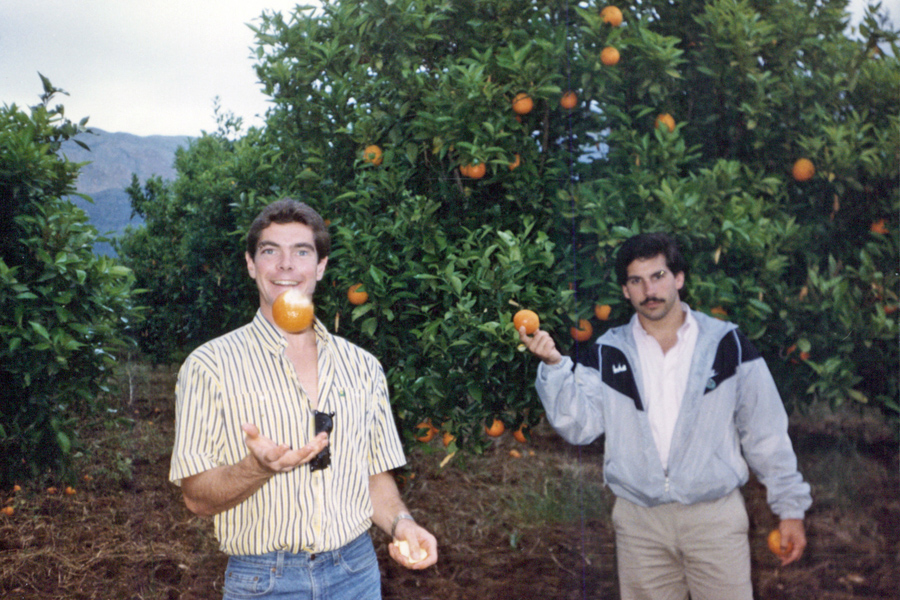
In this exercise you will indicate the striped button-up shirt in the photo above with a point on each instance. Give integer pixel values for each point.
(245, 377)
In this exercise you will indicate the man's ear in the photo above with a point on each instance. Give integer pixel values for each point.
(251, 266)
(320, 268)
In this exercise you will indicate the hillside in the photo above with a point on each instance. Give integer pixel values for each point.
(111, 160)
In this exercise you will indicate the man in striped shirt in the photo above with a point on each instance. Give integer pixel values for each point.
(287, 439)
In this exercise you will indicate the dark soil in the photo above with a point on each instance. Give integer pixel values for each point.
(536, 526)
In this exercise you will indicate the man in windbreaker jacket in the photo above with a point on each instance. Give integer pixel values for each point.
(688, 406)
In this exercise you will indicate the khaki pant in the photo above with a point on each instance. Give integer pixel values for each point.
(668, 551)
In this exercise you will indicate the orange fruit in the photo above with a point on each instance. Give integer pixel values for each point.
(478, 171)
(293, 311)
(373, 154)
(7, 510)
(519, 434)
(774, 542)
(355, 296)
(569, 100)
(602, 311)
(475, 171)
(803, 169)
(611, 15)
(51, 490)
(583, 332)
(718, 311)
(17, 488)
(515, 453)
(496, 428)
(522, 104)
(609, 56)
(879, 227)
(667, 120)
(527, 319)
(70, 491)
(425, 431)
(515, 163)
(448, 438)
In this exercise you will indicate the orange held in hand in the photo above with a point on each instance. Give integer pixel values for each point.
(293, 311)
(527, 319)
(774, 541)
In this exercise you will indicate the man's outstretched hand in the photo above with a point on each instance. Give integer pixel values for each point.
(280, 458)
(541, 345)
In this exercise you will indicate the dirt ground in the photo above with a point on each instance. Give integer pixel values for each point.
(533, 527)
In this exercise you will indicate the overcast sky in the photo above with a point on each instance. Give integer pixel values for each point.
(146, 66)
(139, 66)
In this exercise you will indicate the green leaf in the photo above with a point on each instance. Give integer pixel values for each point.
(40, 329)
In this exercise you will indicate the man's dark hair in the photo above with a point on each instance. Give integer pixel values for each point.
(645, 246)
(288, 210)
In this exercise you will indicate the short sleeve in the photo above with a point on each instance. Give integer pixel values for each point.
(198, 422)
(385, 447)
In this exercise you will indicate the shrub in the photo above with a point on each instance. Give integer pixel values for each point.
(63, 309)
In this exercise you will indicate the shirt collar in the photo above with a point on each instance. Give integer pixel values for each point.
(689, 323)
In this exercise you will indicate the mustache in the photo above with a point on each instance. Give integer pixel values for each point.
(651, 299)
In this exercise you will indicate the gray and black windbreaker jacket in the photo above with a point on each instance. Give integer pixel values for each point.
(732, 416)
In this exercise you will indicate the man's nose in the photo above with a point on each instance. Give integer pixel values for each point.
(284, 263)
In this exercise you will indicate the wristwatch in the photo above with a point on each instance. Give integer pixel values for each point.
(399, 518)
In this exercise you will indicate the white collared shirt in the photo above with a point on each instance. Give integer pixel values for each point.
(665, 378)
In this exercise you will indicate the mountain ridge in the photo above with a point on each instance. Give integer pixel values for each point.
(110, 161)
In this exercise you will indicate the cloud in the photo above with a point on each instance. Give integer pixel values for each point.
(141, 67)
(149, 66)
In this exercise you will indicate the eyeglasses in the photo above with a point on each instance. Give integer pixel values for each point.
(324, 422)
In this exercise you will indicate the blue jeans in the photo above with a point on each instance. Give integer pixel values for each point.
(348, 573)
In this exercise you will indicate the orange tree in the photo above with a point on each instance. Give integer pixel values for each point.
(63, 309)
(447, 253)
(807, 267)
(750, 87)
(457, 227)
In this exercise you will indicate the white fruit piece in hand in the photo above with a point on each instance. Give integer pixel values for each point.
(403, 547)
